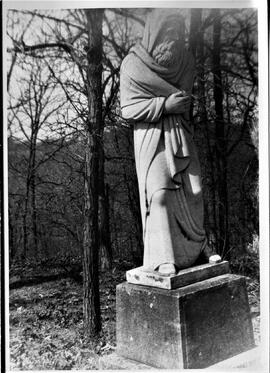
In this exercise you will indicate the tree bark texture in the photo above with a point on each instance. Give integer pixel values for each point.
(197, 40)
(30, 196)
(104, 219)
(221, 144)
(91, 299)
(132, 189)
(33, 191)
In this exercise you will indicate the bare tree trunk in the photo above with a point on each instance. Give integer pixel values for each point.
(195, 23)
(23, 254)
(134, 202)
(221, 145)
(195, 30)
(11, 238)
(107, 225)
(34, 213)
(91, 299)
(197, 47)
(131, 183)
(33, 190)
(104, 222)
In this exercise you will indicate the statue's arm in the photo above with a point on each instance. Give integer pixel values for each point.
(138, 103)
(147, 110)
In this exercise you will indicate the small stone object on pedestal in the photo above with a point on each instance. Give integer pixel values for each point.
(194, 326)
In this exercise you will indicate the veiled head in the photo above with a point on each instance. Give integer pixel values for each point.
(164, 36)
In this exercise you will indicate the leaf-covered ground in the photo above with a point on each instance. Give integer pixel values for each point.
(46, 329)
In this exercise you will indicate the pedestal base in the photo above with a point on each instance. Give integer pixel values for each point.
(254, 360)
(184, 277)
(191, 327)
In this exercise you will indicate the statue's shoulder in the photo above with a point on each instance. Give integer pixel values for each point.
(129, 62)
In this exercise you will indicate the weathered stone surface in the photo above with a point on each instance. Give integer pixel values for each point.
(184, 277)
(165, 151)
(114, 361)
(251, 359)
(191, 327)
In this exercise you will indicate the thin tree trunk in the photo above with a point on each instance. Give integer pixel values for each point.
(195, 29)
(91, 298)
(104, 223)
(131, 183)
(221, 146)
(197, 39)
(107, 225)
(33, 191)
(195, 23)
(24, 218)
(34, 213)
(11, 238)
(28, 199)
(134, 202)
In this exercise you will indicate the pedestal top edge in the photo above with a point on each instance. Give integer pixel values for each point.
(181, 291)
(182, 272)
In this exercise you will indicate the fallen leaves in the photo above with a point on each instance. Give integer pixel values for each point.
(46, 327)
(46, 324)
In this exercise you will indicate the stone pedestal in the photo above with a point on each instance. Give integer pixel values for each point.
(194, 326)
(140, 276)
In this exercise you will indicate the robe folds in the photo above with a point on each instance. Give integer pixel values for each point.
(166, 160)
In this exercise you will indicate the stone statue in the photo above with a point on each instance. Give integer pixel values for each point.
(156, 80)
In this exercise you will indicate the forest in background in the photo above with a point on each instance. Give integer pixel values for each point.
(56, 150)
(48, 106)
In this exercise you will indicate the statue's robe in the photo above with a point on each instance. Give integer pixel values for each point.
(166, 160)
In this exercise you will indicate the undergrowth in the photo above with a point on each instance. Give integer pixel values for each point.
(46, 327)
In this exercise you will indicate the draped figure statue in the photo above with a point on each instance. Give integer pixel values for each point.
(156, 80)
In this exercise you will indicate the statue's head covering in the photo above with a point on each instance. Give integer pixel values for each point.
(157, 23)
(182, 69)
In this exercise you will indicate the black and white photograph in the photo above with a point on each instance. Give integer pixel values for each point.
(135, 209)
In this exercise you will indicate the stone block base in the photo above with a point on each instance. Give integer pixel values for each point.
(184, 277)
(116, 362)
(191, 327)
(251, 360)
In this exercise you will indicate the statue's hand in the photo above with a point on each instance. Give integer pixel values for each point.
(177, 103)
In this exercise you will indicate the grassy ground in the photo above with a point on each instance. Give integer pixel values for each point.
(46, 330)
